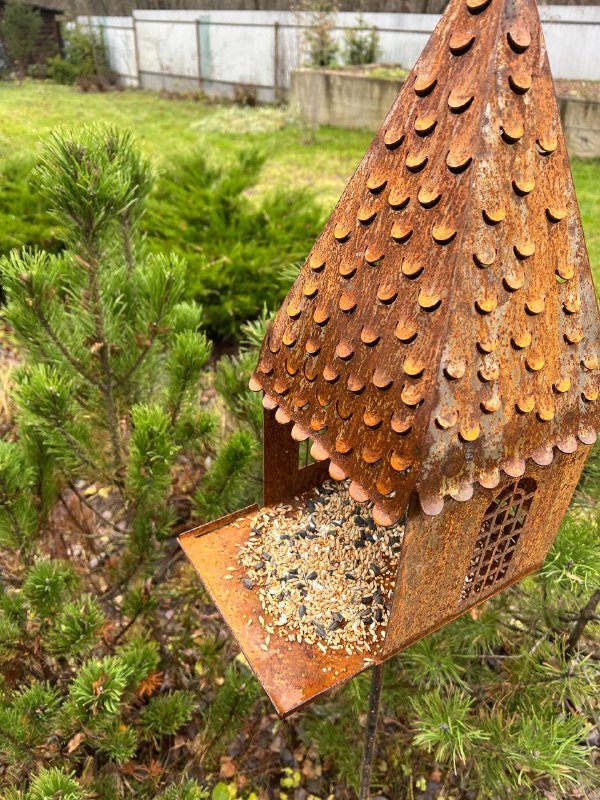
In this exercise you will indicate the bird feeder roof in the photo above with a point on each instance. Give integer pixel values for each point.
(444, 327)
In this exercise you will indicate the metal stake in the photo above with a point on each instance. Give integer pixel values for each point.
(372, 718)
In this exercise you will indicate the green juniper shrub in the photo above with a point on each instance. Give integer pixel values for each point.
(361, 43)
(85, 57)
(236, 246)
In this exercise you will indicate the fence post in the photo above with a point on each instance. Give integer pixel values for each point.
(136, 53)
(276, 62)
(198, 54)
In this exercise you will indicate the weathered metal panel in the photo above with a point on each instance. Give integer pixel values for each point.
(444, 327)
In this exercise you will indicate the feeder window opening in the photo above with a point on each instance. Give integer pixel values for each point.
(499, 535)
(304, 457)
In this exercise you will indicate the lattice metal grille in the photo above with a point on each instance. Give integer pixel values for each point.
(498, 538)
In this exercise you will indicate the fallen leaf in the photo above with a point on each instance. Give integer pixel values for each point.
(75, 741)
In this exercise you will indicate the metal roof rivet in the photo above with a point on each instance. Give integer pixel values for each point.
(294, 310)
(512, 131)
(526, 404)
(337, 473)
(489, 372)
(458, 101)
(312, 346)
(371, 419)
(590, 361)
(520, 83)
(298, 434)
(458, 162)
(563, 385)
(546, 413)
(429, 302)
(374, 254)
(318, 452)
(355, 385)
(401, 232)
(524, 249)
(357, 493)
(347, 302)
(488, 345)
(376, 182)
(447, 418)
(455, 369)
(416, 161)
(460, 42)
(366, 214)
(254, 385)
(564, 271)
(523, 186)
(386, 293)
(266, 367)
(344, 350)
(535, 306)
(400, 425)
(556, 213)
(311, 373)
(282, 417)
(424, 84)
(477, 6)
(413, 366)
(343, 447)
(310, 289)
(590, 393)
(425, 125)
(411, 270)
(572, 305)
(485, 256)
(493, 216)
(514, 280)
(281, 387)
(428, 197)
(411, 395)
(535, 362)
(399, 463)
(347, 270)
(491, 404)
(442, 234)
(519, 39)
(469, 431)
(381, 379)
(485, 305)
(393, 138)
(369, 336)
(342, 412)
(289, 338)
(321, 316)
(290, 367)
(317, 263)
(342, 231)
(398, 198)
(371, 456)
(547, 145)
(521, 340)
(406, 331)
(574, 336)
(330, 374)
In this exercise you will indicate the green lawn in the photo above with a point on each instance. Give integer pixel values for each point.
(166, 127)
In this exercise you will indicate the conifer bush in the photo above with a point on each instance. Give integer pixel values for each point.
(108, 416)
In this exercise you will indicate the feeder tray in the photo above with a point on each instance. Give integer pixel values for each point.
(291, 674)
(440, 346)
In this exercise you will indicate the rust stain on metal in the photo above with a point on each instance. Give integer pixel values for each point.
(439, 349)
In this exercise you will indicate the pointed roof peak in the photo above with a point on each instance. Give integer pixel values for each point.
(445, 326)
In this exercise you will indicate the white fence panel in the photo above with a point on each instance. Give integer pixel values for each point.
(218, 50)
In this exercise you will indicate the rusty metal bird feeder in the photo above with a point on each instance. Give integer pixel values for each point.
(439, 347)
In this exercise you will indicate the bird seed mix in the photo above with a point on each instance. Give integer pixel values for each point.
(324, 572)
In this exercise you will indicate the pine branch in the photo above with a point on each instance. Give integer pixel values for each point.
(586, 614)
(84, 501)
